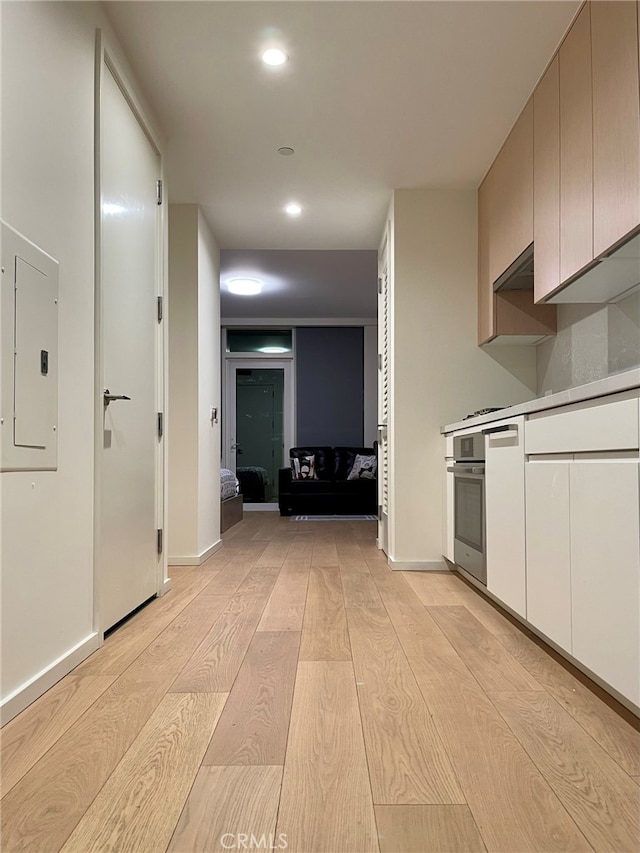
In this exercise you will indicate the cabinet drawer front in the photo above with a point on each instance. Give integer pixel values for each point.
(589, 426)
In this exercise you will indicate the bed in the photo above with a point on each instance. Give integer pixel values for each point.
(230, 500)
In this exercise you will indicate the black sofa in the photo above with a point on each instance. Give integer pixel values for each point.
(331, 493)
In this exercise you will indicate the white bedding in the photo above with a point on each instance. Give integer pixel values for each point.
(229, 485)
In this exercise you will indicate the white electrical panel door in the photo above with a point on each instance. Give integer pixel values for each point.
(35, 344)
(29, 355)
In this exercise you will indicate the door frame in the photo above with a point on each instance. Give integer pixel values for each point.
(106, 57)
(237, 360)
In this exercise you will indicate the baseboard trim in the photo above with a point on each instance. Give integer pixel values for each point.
(165, 586)
(34, 688)
(256, 507)
(196, 559)
(418, 565)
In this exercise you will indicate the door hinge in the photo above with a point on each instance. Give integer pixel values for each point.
(379, 512)
(159, 191)
(160, 306)
(160, 540)
(379, 361)
(379, 285)
(160, 424)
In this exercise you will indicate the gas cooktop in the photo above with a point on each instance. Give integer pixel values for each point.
(484, 412)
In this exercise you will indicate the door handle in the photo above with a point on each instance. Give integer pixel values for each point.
(108, 397)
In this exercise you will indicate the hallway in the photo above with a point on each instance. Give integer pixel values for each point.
(294, 693)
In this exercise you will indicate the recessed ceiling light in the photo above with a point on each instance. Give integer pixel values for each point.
(273, 349)
(244, 286)
(274, 56)
(293, 209)
(286, 151)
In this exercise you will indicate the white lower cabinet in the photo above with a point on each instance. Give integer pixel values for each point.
(583, 560)
(549, 549)
(505, 513)
(605, 570)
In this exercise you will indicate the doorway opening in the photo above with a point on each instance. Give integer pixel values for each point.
(258, 425)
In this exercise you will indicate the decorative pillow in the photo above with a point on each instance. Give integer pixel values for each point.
(364, 468)
(304, 468)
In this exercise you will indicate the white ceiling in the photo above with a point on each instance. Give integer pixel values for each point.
(299, 283)
(375, 96)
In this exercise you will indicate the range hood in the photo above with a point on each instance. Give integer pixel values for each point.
(519, 275)
(611, 278)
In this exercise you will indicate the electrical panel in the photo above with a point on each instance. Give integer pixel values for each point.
(29, 349)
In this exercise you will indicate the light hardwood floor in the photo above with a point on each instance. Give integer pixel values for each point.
(295, 693)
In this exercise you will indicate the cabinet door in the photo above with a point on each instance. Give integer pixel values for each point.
(512, 221)
(546, 183)
(548, 549)
(605, 570)
(504, 509)
(616, 122)
(576, 148)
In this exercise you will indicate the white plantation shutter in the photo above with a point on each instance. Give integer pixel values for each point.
(384, 388)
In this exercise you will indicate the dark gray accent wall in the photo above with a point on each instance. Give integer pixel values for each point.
(329, 385)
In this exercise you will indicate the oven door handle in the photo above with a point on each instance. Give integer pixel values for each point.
(503, 428)
(476, 471)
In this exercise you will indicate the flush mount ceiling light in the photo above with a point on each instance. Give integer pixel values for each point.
(293, 209)
(273, 349)
(274, 56)
(286, 151)
(244, 286)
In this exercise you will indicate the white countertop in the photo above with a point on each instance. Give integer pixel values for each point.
(601, 387)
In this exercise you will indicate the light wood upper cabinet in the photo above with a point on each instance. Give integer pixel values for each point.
(616, 122)
(576, 148)
(512, 222)
(507, 313)
(505, 230)
(546, 182)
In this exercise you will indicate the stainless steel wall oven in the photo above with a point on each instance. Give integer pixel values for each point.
(469, 512)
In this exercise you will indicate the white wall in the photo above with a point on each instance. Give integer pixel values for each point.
(438, 373)
(209, 383)
(194, 387)
(47, 193)
(182, 418)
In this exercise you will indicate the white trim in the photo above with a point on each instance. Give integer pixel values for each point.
(165, 587)
(194, 559)
(266, 507)
(292, 322)
(44, 680)
(418, 565)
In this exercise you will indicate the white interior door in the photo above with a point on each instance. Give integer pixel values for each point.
(129, 283)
